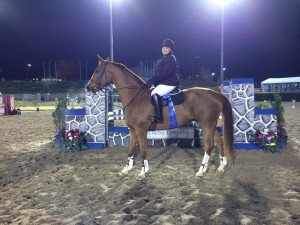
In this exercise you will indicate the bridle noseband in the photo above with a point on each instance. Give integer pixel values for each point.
(99, 77)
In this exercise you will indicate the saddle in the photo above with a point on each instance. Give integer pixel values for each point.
(177, 97)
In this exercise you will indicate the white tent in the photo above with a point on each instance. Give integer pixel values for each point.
(285, 84)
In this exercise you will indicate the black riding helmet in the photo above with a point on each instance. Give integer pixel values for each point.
(168, 43)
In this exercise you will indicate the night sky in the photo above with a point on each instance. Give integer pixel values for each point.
(261, 37)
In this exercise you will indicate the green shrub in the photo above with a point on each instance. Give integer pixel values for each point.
(276, 104)
(279, 109)
(264, 105)
(59, 115)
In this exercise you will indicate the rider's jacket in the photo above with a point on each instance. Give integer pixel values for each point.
(165, 71)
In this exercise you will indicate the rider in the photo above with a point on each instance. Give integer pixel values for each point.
(164, 79)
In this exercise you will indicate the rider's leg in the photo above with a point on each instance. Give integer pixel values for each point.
(156, 100)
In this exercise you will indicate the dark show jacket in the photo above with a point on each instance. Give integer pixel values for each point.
(165, 71)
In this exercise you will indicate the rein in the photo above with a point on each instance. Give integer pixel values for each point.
(131, 100)
(132, 87)
(101, 75)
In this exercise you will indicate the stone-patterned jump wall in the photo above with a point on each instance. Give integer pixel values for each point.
(247, 119)
(92, 120)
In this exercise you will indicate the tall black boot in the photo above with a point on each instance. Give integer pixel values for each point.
(156, 101)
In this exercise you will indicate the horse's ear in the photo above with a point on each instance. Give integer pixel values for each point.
(107, 58)
(99, 57)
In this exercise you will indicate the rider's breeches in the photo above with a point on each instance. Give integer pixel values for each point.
(162, 89)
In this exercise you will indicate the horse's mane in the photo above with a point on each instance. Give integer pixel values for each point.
(124, 68)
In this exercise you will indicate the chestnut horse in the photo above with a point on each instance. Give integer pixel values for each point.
(200, 104)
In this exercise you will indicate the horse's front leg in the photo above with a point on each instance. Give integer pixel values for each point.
(132, 145)
(142, 137)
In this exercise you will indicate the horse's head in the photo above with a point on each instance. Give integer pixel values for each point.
(100, 77)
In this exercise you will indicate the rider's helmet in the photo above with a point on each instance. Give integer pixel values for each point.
(168, 43)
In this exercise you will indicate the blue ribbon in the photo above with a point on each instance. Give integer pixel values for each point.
(172, 115)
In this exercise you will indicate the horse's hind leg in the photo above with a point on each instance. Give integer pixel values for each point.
(208, 146)
(132, 145)
(219, 144)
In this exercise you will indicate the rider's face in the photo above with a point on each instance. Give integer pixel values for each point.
(165, 50)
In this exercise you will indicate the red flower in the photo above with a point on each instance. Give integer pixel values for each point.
(258, 138)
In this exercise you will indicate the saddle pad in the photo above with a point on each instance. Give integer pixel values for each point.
(177, 99)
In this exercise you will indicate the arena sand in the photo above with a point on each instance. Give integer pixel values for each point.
(39, 184)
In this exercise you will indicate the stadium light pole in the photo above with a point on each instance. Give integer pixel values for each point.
(109, 89)
(111, 30)
(222, 42)
(222, 3)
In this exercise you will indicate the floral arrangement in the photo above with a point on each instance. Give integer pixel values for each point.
(71, 140)
(266, 139)
(67, 140)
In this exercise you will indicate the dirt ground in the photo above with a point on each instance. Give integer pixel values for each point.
(39, 184)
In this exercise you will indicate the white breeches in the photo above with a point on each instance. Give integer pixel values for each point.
(162, 89)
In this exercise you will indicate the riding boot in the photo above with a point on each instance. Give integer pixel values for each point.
(156, 101)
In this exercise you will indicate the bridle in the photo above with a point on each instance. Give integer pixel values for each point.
(99, 78)
(101, 75)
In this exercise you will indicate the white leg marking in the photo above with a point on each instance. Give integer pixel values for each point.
(146, 166)
(223, 163)
(204, 165)
(145, 169)
(130, 163)
(128, 166)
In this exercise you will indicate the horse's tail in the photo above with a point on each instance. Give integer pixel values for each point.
(228, 145)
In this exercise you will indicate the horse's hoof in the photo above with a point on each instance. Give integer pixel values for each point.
(123, 173)
(199, 174)
(141, 176)
(221, 170)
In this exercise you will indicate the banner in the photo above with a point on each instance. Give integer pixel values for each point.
(183, 132)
